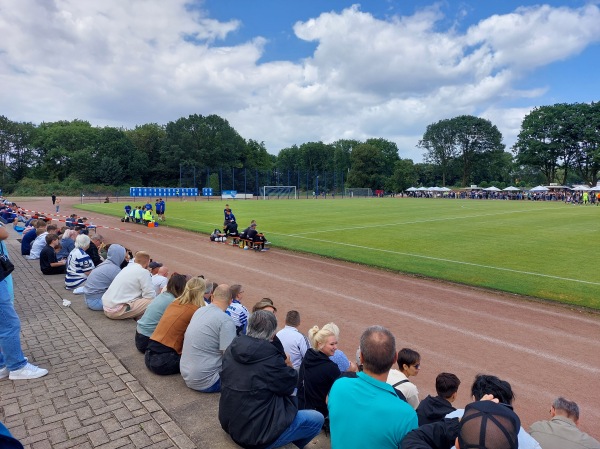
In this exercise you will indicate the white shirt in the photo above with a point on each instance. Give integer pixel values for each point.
(37, 246)
(133, 282)
(408, 389)
(159, 282)
(294, 343)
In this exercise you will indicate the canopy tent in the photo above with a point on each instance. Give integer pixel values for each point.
(512, 189)
(493, 189)
(411, 189)
(582, 188)
(539, 189)
(595, 189)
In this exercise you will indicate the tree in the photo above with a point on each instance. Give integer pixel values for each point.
(439, 143)
(367, 167)
(403, 177)
(389, 153)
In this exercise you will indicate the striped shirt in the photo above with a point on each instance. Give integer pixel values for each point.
(239, 314)
(78, 263)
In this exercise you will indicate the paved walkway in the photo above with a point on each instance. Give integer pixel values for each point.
(88, 399)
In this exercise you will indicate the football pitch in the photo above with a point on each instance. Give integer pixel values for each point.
(546, 250)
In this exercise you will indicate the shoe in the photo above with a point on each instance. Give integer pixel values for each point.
(29, 371)
(3, 372)
(78, 291)
(267, 243)
(246, 248)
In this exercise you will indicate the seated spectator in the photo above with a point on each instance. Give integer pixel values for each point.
(267, 305)
(67, 244)
(409, 363)
(317, 372)
(40, 241)
(433, 409)
(131, 291)
(79, 264)
(29, 235)
(160, 279)
(339, 358)
(257, 238)
(102, 276)
(210, 288)
(561, 431)
(237, 311)
(500, 389)
(207, 337)
(294, 342)
(96, 242)
(166, 343)
(364, 411)
(49, 264)
(148, 322)
(257, 408)
(154, 266)
(485, 424)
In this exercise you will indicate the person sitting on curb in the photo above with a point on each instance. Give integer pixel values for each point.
(207, 337)
(166, 343)
(561, 431)
(432, 409)
(257, 406)
(154, 312)
(49, 263)
(131, 291)
(102, 276)
(79, 264)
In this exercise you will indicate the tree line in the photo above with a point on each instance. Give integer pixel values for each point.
(558, 143)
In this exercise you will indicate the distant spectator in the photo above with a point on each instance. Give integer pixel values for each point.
(432, 409)
(102, 276)
(208, 292)
(96, 242)
(29, 235)
(409, 363)
(561, 431)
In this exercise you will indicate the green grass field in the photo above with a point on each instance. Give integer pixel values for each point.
(541, 249)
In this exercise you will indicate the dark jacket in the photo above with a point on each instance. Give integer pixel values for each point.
(433, 409)
(317, 375)
(437, 435)
(256, 404)
(92, 251)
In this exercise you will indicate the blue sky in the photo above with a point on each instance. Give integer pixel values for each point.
(289, 72)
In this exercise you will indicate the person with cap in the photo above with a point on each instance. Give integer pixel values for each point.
(365, 411)
(485, 384)
(561, 431)
(486, 424)
(256, 237)
(160, 276)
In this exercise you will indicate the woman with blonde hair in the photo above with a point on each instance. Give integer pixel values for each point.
(340, 359)
(317, 372)
(166, 343)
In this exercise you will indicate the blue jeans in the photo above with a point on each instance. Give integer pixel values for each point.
(215, 388)
(305, 426)
(93, 302)
(11, 354)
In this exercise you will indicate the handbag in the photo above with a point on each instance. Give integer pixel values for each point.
(6, 266)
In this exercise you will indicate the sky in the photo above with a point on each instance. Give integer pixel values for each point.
(286, 72)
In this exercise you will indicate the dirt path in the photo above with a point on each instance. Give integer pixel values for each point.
(538, 347)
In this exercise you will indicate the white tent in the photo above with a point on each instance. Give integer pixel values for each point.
(493, 189)
(512, 189)
(595, 189)
(582, 188)
(539, 189)
(411, 189)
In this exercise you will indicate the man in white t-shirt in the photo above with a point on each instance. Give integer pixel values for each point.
(160, 279)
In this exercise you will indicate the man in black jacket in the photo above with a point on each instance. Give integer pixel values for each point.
(258, 407)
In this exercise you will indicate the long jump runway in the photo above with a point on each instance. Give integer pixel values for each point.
(543, 350)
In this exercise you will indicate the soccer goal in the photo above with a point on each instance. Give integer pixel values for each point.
(358, 192)
(279, 192)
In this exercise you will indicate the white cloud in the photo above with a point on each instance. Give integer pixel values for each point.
(127, 63)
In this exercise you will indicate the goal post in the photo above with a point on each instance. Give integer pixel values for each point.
(279, 192)
(357, 192)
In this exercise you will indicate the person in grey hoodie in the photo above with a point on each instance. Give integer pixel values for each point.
(101, 277)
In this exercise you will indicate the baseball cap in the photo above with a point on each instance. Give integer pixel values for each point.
(487, 425)
(155, 264)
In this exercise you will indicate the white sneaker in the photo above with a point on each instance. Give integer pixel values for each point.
(3, 372)
(29, 371)
(78, 291)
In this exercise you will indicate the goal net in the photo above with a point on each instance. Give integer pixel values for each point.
(358, 192)
(279, 192)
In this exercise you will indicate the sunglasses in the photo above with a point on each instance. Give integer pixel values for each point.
(417, 366)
